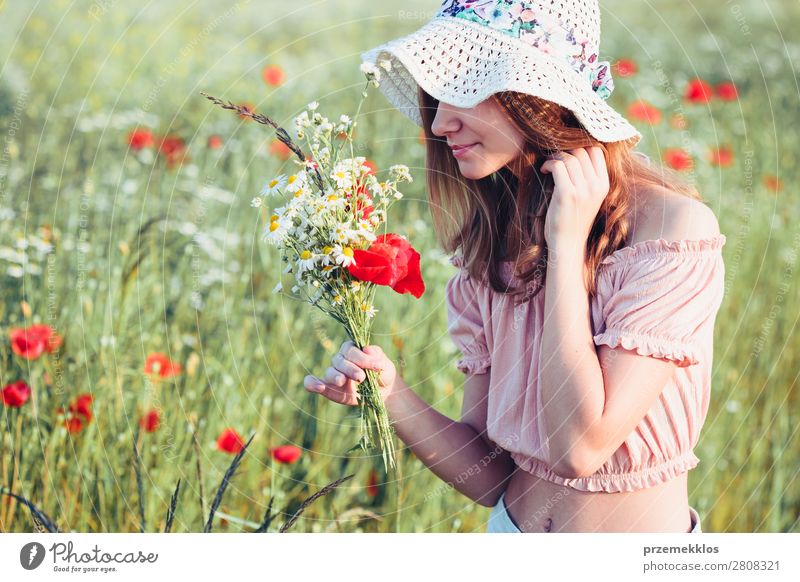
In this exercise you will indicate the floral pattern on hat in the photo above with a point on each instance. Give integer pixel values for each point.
(515, 18)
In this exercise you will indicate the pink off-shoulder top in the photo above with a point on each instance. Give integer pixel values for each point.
(657, 297)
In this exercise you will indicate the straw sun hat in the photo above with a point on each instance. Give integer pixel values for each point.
(471, 49)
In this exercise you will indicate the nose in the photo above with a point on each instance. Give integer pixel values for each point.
(445, 121)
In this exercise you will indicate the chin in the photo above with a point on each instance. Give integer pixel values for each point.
(475, 173)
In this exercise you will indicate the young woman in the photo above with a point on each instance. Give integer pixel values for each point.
(587, 287)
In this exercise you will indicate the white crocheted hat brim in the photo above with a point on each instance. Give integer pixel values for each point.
(462, 63)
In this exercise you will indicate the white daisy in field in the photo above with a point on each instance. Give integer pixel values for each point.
(344, 234)
(343, 177)
(306, 261)
(296, 181)
(338, 299)
(277, 229)
(313, 105)
(274, 186)
(343, 255)
(368, 309)
(256, 202)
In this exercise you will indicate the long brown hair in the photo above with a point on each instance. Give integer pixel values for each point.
(500, 217)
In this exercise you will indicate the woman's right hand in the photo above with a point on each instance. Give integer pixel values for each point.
(341, 380)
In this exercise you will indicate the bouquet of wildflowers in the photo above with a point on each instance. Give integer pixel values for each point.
(332, 233)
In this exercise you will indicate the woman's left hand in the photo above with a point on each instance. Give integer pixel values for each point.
(581, 184)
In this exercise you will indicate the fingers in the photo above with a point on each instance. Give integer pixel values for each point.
(586, 165)
(347, 368)
(334, 393)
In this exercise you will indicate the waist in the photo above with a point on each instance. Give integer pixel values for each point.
(538, 505)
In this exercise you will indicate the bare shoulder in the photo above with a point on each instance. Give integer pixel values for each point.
(664, 213)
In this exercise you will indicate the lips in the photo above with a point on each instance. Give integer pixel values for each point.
(459, 151)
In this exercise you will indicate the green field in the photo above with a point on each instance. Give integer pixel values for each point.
(126, 255)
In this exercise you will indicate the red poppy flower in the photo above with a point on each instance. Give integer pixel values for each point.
(390, 261)
(678, 159)
(286, 454)
(273, 75)
(642, 111)
(140, 138)
(625, 67)
(247, 107)
(173, 149)
(279, 149)
(160, 365)
(79, 413)
(230, 441)
(727, 91)
(722, 156)
(150, 421)
(372, 483)
(73, 424)
(31, 342)
(83, 406)
(698, 91)
(773, 183)
(16, 394)
(214, 142)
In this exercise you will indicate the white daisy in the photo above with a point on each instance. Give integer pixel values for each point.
(256, 202)
(343, 256)
(313, 105)
(274, 186)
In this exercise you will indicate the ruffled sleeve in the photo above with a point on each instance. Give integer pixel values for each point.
(663, 297)
(464, 322)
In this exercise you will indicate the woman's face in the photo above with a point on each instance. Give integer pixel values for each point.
(494, 141)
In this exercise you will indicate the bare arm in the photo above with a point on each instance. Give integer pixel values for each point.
(458, 452)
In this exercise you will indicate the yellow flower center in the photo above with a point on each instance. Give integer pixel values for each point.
(274, 225)
(292, 178)
(347, 251)
(305, 255)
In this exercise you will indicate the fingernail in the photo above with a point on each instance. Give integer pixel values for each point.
(316, 387)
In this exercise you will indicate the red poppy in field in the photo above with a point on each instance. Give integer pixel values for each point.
(698, 91)
(214, 142)
(16, 394)
(79, 412)
(390, 260)
(73, 424)
(372, 483)
(641, 110)
(286, 454)
(247, 107)
(773, 183)
(624, 68)
(140, 138)
(678, 159)
(158, 364)
(273, 75)
(230, 441)
(727, 91)
(150, 421)
(83, 405)
(722, 156)
(31, 342)
(279, 149)
(173, 149)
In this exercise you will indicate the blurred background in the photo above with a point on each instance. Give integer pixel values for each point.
(127, 236)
